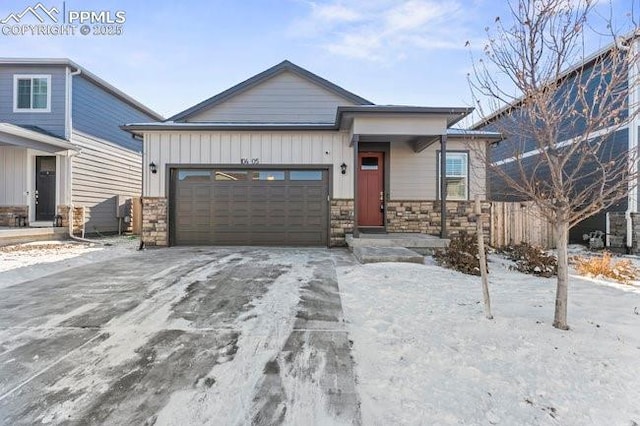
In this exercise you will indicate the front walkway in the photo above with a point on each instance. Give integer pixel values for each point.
(180, 336)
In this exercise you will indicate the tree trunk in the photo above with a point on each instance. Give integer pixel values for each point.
(562, 241)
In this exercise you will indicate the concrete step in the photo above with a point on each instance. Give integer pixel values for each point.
(397, 240)
(386, 254)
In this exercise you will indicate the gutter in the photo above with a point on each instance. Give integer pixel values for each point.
(633, 75)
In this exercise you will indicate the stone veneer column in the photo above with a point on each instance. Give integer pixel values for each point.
(341, 221)
(63, 211)
(154, 221)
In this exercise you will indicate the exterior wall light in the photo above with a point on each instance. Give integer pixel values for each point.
(153, 168)
(343, 168)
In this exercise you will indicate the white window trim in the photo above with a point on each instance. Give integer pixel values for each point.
(466, 176)
(17, 77)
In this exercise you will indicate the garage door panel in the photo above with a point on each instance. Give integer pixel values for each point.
(250, 212)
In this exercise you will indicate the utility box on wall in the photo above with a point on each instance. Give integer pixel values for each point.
(123, 206)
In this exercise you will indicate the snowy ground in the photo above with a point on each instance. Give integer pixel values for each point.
(23, 262)
(425, 354)
(186, 336)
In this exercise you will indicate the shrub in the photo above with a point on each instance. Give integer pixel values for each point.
(622, 271)
(531, 260)
(461, 255)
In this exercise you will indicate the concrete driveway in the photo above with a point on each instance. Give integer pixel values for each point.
(180, 336)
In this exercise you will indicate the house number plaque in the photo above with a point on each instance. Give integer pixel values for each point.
(249, 161)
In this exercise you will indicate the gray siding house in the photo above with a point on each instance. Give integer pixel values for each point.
(289, 158)
(61, 147)
(620, 222)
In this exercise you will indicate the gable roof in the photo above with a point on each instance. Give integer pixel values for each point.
(263, 76)
(89, 76)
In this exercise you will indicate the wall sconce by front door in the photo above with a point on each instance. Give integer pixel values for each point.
(343, 168)
(153, 168)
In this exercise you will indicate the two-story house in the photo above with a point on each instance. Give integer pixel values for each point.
(518, 151)
(61, 147)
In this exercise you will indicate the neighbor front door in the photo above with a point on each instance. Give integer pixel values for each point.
(370, 189)
(45, 187)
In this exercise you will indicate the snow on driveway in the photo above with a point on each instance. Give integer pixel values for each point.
(179, 336)
(28, 261)
(425, 354)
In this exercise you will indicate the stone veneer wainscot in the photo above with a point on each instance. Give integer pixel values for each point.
(424, 217)
(8, 214)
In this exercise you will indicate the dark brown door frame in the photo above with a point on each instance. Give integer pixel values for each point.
(385, 148)
(45, 189)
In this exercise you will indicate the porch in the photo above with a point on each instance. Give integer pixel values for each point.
(35, 170)
(12, 235)
(402, 181)
(393, 247)
(421, 243)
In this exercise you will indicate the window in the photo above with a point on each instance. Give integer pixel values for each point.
(231, 175)
(457, 175)
(268, 175)
(305, 175)
(369, 163)
(194, 175)
(31, 93)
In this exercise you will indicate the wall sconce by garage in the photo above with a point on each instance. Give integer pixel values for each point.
(343, 168)
(153, 168)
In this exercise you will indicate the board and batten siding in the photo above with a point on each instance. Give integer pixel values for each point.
(414, 175)
(284, 98)
(101, 172)
(53, 121)
(210, 148)
(13, 176)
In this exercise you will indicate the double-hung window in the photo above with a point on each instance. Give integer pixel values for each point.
(457, 175)
(31, 93)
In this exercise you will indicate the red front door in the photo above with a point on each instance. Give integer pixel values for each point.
(370, 189)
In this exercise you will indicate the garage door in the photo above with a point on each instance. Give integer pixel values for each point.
(249, 207)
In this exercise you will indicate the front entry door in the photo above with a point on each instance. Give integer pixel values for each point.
(45, 187)
(371, 189)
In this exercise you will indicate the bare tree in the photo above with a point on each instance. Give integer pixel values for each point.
(560, 114)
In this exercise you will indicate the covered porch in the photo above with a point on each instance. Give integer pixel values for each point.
(35, 176)
(397, 164)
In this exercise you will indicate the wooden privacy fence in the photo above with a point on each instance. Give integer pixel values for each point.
(519, 222)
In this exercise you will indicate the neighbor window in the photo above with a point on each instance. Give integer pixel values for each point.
(32, 93)
(456, 175)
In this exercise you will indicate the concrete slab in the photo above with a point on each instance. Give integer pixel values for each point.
(407, 240)
(386, 254)
(10, 235)
(184, 336)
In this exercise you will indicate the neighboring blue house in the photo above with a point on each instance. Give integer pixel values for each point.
(61, 144)
(616, 221)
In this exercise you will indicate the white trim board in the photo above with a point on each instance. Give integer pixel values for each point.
(562, 144)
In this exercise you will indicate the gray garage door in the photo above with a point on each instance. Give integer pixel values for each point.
(249, 207)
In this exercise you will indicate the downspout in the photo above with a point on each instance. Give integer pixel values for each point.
(633, 76)
(70, 133)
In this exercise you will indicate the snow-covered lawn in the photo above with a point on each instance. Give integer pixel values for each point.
(23, 262)
(425, 354)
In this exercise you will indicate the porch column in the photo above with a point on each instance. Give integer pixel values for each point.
(443, 186)
(354, 141)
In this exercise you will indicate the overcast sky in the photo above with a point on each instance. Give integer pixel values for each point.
(173, 54)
